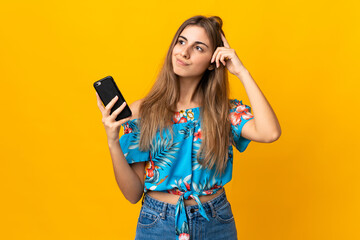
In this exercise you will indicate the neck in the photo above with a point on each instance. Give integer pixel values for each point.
(188, 96)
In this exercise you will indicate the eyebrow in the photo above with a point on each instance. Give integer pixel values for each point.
(196, 41)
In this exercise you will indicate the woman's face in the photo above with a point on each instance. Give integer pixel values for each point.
(193, 47)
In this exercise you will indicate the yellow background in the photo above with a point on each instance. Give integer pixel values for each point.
(56, 175)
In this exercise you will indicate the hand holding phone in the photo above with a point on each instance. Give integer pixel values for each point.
(107, 89)
(112, 127)
(115, 112)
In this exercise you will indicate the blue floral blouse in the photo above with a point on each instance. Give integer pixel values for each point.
(171, 166)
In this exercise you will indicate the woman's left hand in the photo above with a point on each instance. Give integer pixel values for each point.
(228, 57)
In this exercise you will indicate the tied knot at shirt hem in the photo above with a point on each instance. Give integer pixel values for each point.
(187, 195)
(181, 219)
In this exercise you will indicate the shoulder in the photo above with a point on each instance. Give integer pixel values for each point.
(135, 107)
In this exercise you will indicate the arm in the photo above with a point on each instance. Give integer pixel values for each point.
(265, 126)
(130, 178)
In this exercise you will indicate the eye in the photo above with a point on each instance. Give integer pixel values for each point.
(199, 48)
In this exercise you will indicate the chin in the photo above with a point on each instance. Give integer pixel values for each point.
(178, 74)
(177, 71)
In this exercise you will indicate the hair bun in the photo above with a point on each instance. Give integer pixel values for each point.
(218, 21)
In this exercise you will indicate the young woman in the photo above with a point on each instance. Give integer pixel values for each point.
(177, 147)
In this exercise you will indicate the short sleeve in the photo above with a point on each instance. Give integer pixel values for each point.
(240, 114)
(129, 143)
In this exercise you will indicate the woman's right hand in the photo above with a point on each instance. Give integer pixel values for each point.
(112, 127)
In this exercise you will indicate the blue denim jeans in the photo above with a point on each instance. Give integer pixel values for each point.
(157, 220)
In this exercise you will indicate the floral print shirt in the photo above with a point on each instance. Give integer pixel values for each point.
(171, 166)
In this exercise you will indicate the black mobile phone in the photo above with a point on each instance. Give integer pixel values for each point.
(107, 90)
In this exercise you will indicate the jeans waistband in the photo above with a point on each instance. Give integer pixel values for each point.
(169, 209)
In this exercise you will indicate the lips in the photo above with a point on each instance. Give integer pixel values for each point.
(181, 62)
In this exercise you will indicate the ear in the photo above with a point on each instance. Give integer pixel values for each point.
(211, 67)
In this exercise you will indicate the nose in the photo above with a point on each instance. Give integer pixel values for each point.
(184, 52)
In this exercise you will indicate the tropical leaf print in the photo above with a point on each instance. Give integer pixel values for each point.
(132, 127)
(153, 174)
(235, 130)
(198, 187)
(164, 152)
(180, 186)
(195, 163)
(162, 180)
(179, 208)
(207, 186)
(179, 183)
(188, 129)
(152, 188)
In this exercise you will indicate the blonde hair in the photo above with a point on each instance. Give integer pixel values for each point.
(159, 105)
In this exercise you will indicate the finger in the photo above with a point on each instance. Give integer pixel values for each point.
(226, 44)
(225, 57)
(214, 54)
(111, 103)
(222, 59)
(99, 102)
(97, 96)
(218, 59)
(122, 121)
(115, 113)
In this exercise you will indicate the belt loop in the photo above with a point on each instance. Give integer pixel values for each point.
(213, 211)
(163, 212)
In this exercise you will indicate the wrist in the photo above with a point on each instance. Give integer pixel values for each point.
(243, 72)
(113, 142)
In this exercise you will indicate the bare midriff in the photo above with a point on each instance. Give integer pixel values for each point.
(172, 198)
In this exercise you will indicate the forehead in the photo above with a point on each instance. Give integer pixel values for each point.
(195, 33)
